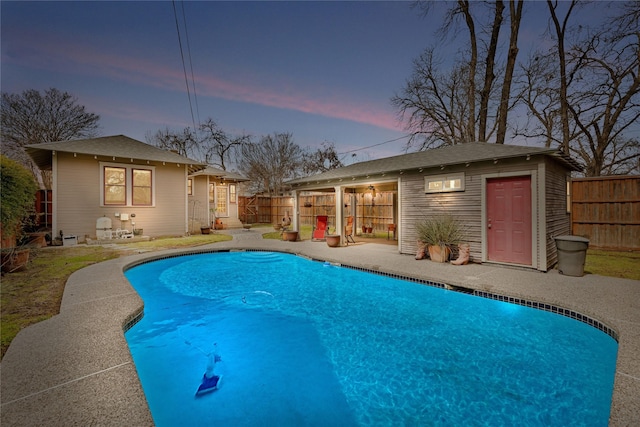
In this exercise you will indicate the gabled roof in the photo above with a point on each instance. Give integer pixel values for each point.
(119, 147)
(219, 173)
(444, 156)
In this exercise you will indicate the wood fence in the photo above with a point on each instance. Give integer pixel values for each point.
(606, 210)
(377, 212)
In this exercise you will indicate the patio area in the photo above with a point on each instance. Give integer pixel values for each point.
(76, 369)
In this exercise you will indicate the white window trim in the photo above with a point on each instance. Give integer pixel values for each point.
(443, 179)
(128, 184)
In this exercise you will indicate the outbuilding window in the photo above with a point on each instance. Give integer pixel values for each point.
(444, 183)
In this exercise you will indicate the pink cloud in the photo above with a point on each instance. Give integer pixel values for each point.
(82, 59)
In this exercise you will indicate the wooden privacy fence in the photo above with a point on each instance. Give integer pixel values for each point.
(606, 210)
(377, 212)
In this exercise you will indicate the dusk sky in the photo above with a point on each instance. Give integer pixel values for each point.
(323, 71)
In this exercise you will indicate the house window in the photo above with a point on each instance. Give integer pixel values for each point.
(141, 187)
(125, 185)
(444, 183)
(190, 186)
(115, 186)
(211, 192)
(232, 193)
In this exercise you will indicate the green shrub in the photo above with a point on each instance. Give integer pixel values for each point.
(440, 230)
(17, 195)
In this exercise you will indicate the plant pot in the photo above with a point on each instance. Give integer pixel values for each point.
(14, 259)
(290, 236)
(439, 253)
(205, 230)
(369, 230)
(137, 231)
(333, 240)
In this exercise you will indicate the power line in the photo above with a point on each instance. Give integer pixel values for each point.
(184, 68)
(374, 145)
(193, 80)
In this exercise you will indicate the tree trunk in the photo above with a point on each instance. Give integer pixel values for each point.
(473, 65)
(489, 75)
(560, 34)
(515, 12)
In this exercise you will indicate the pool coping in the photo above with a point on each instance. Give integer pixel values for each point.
(76, 368)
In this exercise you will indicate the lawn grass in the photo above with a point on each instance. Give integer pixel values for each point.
(304, 233)
(625, 265)
(33, 295)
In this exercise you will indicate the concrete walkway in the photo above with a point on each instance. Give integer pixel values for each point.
(76, 369)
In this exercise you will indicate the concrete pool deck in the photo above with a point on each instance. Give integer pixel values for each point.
(76, 368)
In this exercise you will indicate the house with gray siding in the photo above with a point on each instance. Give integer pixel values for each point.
(512, 199)
(117, 180)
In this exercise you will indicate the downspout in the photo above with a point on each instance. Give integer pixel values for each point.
(339, 213)
(295, 224)
(54, 195)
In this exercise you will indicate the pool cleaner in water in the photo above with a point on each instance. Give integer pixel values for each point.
(210, 381)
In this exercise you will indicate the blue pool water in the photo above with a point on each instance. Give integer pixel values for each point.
(308, 344)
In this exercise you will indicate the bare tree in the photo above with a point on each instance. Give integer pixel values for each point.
(33, 118)
(588, 109)
(321, 160)
(515, 14)
(214, 146)
(540, 98)
(219, 147)
(560, 31)
(184, 143)
(270, 162)
(445, 107)
(434, 104)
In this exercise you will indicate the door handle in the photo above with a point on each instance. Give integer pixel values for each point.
(489, 223)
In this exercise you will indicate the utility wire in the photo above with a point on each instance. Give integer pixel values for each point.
(184, 68)
(193, 80)
(374, 145)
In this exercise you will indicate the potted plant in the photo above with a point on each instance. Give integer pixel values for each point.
(290, 235)
(17, 196)
(333, 240)
(217, 223)
(439, 233)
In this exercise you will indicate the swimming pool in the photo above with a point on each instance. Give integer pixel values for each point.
(305, 343)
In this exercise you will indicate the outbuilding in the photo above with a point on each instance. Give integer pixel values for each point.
(512, 199)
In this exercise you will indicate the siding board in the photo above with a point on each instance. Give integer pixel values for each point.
(78, 193)
(467, 205)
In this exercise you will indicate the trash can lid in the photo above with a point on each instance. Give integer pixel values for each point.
(572, 239)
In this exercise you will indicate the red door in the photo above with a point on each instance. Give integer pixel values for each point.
(509, 220)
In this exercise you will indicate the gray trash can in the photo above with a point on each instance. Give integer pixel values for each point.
(572, 253)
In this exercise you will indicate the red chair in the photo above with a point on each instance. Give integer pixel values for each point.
(320, 229)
